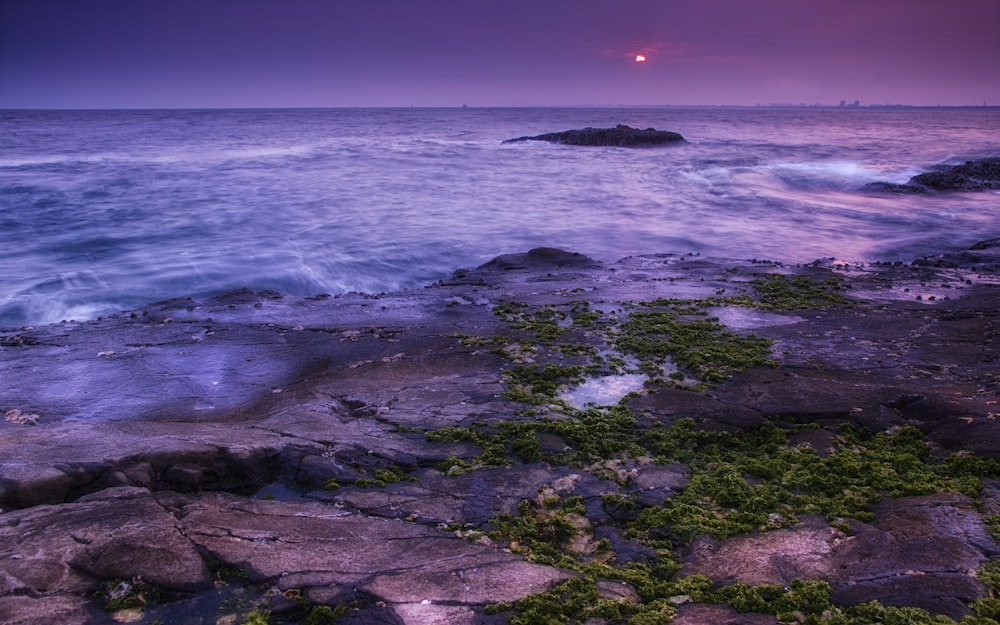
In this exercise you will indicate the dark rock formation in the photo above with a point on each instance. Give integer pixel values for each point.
(893, 187)
(539, 259)
(971, 176)
(980, 175)
(619, 136)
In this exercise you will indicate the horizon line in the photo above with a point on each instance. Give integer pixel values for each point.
(837, 106)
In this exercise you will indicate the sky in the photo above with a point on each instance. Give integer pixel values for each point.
(319, 53)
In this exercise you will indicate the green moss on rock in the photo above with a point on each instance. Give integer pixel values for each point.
(781, 292)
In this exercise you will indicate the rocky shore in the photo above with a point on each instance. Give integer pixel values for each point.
(543, 439)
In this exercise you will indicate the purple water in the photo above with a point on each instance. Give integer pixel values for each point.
(108, 210)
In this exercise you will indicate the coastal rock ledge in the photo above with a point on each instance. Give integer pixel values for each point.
(543, 439)
(620, 136)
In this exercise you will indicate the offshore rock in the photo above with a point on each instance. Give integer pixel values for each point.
(979, 175)
(619, 136)
(971, 176)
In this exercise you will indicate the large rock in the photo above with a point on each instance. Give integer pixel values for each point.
(314, 547)
(970, 176)
(63, 553)
(919, 551)
(619, 136)
(53, 557)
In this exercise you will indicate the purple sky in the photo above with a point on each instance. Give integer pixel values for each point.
(247, 53)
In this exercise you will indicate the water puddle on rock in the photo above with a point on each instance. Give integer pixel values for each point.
(747, 319)
(605, 391)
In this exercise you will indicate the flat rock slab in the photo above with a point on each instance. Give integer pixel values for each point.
(311, 548)
(311, 545)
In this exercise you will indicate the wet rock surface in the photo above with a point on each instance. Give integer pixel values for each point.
(619, 136)
(970, 176)
(978, 175)
(404, 458)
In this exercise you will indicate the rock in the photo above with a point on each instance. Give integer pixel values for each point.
(971, 176)
(775, 557)
(670, 404)
(669, 477)
(892, 187)
(920, 551)
(431, 614)
(619, 136)
(48, 610)
(472, 499)
(979, 175)
(64, 551)
(306, 547)
(313, 545)
(696, 614)
(540, 258)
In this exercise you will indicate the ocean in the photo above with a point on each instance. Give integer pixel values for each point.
(102, 211)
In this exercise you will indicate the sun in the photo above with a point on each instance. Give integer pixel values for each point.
(640, 58)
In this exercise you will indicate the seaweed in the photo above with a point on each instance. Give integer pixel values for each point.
(781, 292)
(702, 346)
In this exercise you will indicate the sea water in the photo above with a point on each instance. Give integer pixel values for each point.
(102, 211)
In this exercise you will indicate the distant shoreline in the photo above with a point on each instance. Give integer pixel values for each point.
(822, 107)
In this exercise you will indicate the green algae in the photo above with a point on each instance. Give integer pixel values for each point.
(383, 477)
(573, 601)
(781, 292)
(748, 482)
(546, 324)
(802, 602)
(541, 538)
(655, 331)
(534, 384)
(324, 614)
(589, 435)
(701, 346)
(740, 483)
(259, 616)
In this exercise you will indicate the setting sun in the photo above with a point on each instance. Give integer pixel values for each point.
(640, 58)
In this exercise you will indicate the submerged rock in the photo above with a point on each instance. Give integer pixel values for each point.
(619, 136)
